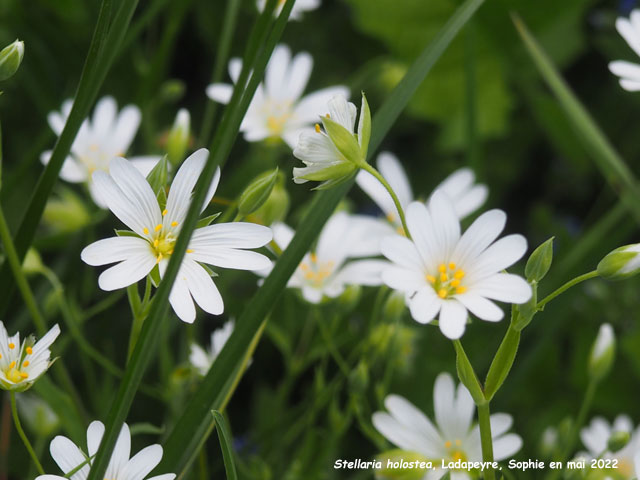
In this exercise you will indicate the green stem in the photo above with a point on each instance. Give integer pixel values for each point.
(333, 351)
(587, 276)
(23, 436)
(484, 421)
(365, 166)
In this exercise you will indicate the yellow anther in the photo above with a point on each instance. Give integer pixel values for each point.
(158, 227)
(12, 364)
(443, 277)
(309, 275)
(158, 258)
(447, 444)
(304, 267)
(391, 217)
(0, 355)
(156, 242)
(455, 283)
(459, 274)
(189, 250)
(24, 374)
(12, 346)
(461, 289)
(458, 442)
(457, 456)
(164, 212)
(452, 266)
(26, 363)
(442, 293)
(314, 257)
(442, 268)
(431, 279)
(317, 128)
(174, 224)
(328, 115)
(29, 350)
(170, 252)
(145, 230)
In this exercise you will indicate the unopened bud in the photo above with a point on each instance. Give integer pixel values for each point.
(38, 415)
(359, 378)
(398, 465)
(257, 193)
(179, 137)
(66, 213)
(10, 59)
(32, 262)
(623, 262)
(276, 207)
(603, 352)
(617, 441)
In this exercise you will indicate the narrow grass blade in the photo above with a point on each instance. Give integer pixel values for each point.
(194, 425)
(611, 165)
(224, 434)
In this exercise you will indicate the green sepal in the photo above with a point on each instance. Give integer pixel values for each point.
(157, 177)
(161, 196)
(524, 313)
(126, 233)
(364, 127)
(502, 363)
(344, 140)
(207, 268)
(257, 192)
(539, 262)
(10, 59)
(611, 266)
(154, 274)
(206, 221)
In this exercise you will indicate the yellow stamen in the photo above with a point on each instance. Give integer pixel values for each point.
(442, 268)
(164, 212)
(459, 274)
(156, 242)
(314, 257)
(317, 128)
(442, 293)
(174, 224)
(431, 279)
(29, 350)
(24, 375)
(159, 258)
(455, 283)
(145, 230)
(12, 364)
(158, 227)
(328, 115)
(189, 250)
(447, 444)
(391, 217)
(457, 456)
(0, 355)
(26, 363)
(309, 275)
(12, 346)
(443, 277)
(452, 266)
(461, 289)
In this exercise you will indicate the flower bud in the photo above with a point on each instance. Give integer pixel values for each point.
(32, 263)
(179, 137)
(602, 353)
(359, 378)
(395, 465)
(66, 213)
(539, 262)
(257, 192)
(37, 415)
(622, 263)
(276, 207)
(10, 59)
(617, 441)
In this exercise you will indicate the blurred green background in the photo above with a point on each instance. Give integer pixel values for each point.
(483, 105)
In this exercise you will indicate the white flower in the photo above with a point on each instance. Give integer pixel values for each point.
(278, 109)
(453, 437)
(445, 274)
(298, 9)
(21, 364)
(596, 437)
(628, 72)
(465, 195)
(333, 155)
(202, 359)
(327, 270)
(130, 197)
(109, 134)
(69, 457)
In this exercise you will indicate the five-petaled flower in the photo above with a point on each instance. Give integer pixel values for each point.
(21, 364)
(278, 109)
(155, 231)
(628, 72)
(453, 437)
(444, 274)
(70, 458)
(109, 134)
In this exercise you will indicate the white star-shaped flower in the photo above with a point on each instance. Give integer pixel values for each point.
(21, 364)
(628, 72)
(109, 134)
(298, 9)
(596, 437)
(454, 435)
(329, 269)
(278, 109)
(460, 187)
(130, 197)
(445, 275)
(202, 359)
(70, 457)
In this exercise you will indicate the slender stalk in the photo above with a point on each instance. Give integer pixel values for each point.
(23, 436)
(333, 351)
(367, 167)
(587, 276)
(484, 421)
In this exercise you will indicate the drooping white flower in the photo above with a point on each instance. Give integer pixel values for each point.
(69, 457)
(454, 435)
(332, 155)
(465, 195)
(447, 275)
(596, 438)
(130, 197)
(106, 136)
(628, 72)
(202, 359)
(298, 9)
(278, 109)
(329, 269)
(21, 364)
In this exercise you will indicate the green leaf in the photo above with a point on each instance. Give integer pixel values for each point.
(224, 435)
(611, 165)
(502, 363)
(157, 177)
(467, 375)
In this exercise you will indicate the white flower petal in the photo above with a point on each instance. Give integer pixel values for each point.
(312, 295)
(276, 72)
(504, 287)
(392, 171)
(114, 249)
(121, 453)
(446, 223)
(104, 116)
(201, 287)
(444, 404)
(421, 228)
(180, 300)
(409, 416)
(481, 307)
(232, 235)
(484, 230)
(311, 106)
(629, 33)
(500, 423)
(68, 457)
(142, 463)
(452, 319)
(94, 437)
(362, 272)
(403, 279)
(145, 163)
(630, 85)
(625, 69)
(126, 273)
(506, 446)
(425, 305)
(471, 200)
(126, 128)
(220, 92)
(397, 434)
(502, 254)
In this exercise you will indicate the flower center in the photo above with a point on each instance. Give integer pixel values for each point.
(454, 451)
(316, 272)
(15, 370)
(448, 280)
(276, 123)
